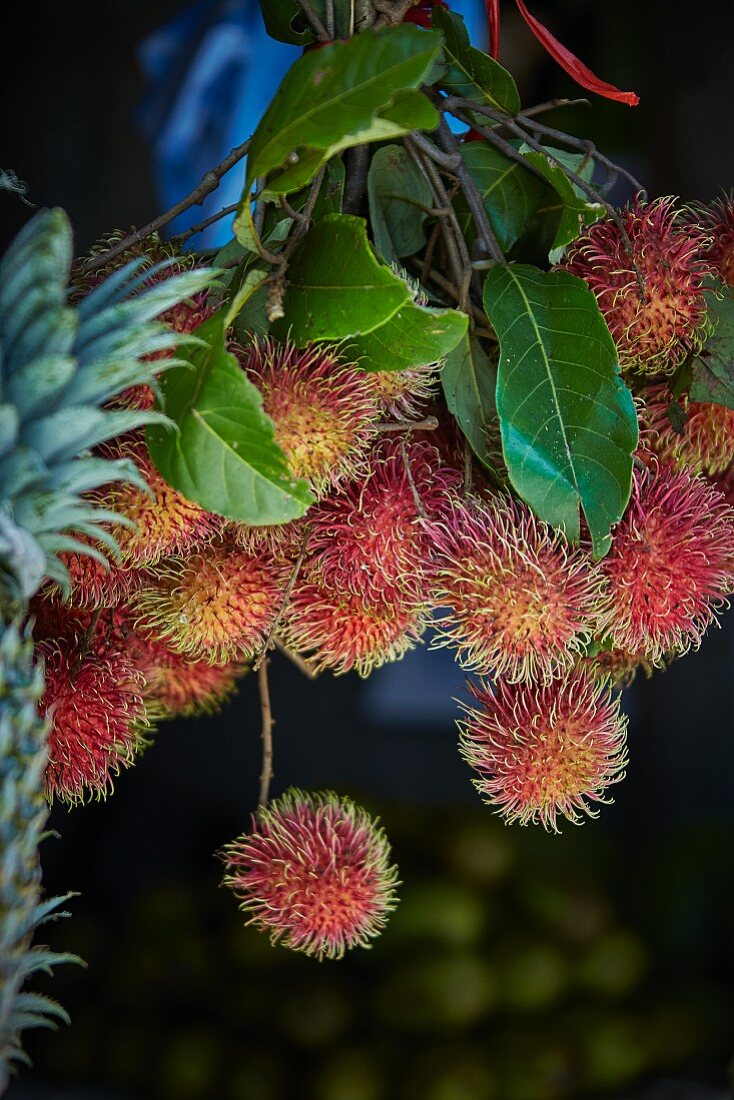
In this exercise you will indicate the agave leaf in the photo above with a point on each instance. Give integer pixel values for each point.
(39, 257)
(76, 428)
(37, 384)
(82, 474)
(9, 424)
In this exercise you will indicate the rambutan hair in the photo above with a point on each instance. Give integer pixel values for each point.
(401, 394)
(94, 585)
(216, 607)
(649, 287)
(520, 602)
(324, 410)
(670, 566)
(314, 872)
(717, 221)
(371, 538)
(704, 445)
(544, 752)
(174, 686)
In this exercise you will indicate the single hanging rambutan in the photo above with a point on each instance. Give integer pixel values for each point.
(704, 445)
(402, 393)
(654, 333)
(314, 872)
(520, 602)
(216, 607)
(671, 564)
(371, 538)
(717, 221)
(545, 751)
(324, 411)
(339, 630)
(166, 522)
(98, 720)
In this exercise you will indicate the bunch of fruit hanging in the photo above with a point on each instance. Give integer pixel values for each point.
(435, 384)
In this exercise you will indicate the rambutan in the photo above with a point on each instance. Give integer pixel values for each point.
(401, 393)
(174, 686)
(314, 872)
(166, 522)
(324, 411)
(371, 537)
(671, 564)
(339, 630)
(93, 585)
(705, 443)
(545, 751)
(724, 482)
(216, 607)
(617, 666)
(283, 540)
(520, 602)
(717, 221)
(95, 703)
(656, 325)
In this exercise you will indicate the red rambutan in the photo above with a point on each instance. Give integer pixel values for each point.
(371, 537)
(671, 564)
(704, 445)
(314, 872)
(324, 411)
(95, 703)
(401, 393)
(654, 333)
(520, 602)
(545, 751)
(94, 585)
(717, 221)
(216, 607)
(283, 540)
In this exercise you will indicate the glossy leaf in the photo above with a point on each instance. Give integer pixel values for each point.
(223, 455)
(336, 286)
(413, 337)
(567, 419)
(471, 73)
(712, 376)
(348, 93)
(399, 195)
(511, 193)
(469, 380)
(573, 209)
(285, 19)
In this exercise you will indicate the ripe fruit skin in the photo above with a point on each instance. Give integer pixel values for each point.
(717, 221)
(324, 411)
(174, 686)
(402, 393)
(92, 585)
(314, 872)
(545, 751)
(671, 564)
(656, 333)
(216, 606)
(520, 603)
(706, 443)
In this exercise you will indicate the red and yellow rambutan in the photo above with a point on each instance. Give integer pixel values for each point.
(165, 521)
(216, 606)
(616, 666)
(174, 686)
(283, 540)
(705, 443)
(324, 411)
(544, 752)
(314, 872)
(671, 564)
(371, 538)
(651, 291)
(93, 585)
(402, 393)
(98, 720)
(717, 221)
(338, 630)
(520, 603)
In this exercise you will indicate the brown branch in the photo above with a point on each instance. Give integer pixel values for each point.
(181, 237)
(471, 193)
(266, 734)
(301, 664)
(411, 481)
(210, 182)
(428, 425)
(316, 24)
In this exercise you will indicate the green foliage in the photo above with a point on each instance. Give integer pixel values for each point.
(511, 194)
(712, 370)
(469, 381)
(413, 337)
(348, 93)
(23, 815)
(572, 208)
(399, 198)
(223, 452)
(568, 421)
(470, 73)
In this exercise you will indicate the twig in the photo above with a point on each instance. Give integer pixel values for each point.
(284, 602)
(301, 664)
(450, 161)
(329, 11)
(585, 146)
(210, 182)
(428, 425)
(411, 481)
(357, 163)
(181, 237)
(551, 104)
(471, 193)
(266, 734)
(314, 20)
(86, 642)
(468, 472)
(446, 285)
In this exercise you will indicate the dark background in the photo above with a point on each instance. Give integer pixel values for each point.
(520, 966)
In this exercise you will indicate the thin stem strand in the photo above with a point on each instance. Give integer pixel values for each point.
(266, 734)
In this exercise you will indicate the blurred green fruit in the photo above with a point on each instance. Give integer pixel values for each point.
(613, 965)
(450, 991)
(444, 911)
(349, 1075)
(532, 975)
(481, 851)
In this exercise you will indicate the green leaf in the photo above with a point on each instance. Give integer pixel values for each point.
(399, 196)
(713, 368)
(285, 19)
(570, 204)
(471, 73)
(469, 380)
(511, 194)
(413, 337)
(252, 318)
(568, 421)
(348, 93)
(336, 287)
(224, 455)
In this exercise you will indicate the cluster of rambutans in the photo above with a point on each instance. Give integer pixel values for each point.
(398, 544)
